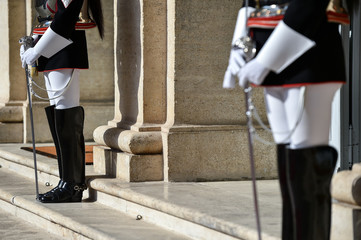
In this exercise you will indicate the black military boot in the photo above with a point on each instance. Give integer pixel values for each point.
(66, 192)
(287, 228)
(49, 111)
(309, 174)
(69, 129)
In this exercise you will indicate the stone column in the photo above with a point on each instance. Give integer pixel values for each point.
(12, 76)
(173, 121)
(205, 136)
(346, 209)
(140, 72)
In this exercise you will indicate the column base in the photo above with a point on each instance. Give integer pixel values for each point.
(346, 221)
(128, 167)
(129, 141)
(11, 132)
(215, 153)
(11, 122)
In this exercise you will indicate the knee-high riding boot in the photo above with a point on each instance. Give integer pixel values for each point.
(69, 129)
(50, 115)
(287, 228)
(309, 173)
(49, 111)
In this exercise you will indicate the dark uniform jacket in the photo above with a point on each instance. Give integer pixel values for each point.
(322, 63)
(75, 55)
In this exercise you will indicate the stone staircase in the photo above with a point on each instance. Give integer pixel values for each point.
(112, 209)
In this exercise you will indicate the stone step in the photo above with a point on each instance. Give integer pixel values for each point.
(208, 210)
(212, 211)
(20, 161)
(85, 220)
(14, 228)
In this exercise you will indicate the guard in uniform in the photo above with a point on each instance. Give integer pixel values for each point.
(298, 45)
(60, 52)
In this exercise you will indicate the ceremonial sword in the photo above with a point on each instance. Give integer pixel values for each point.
(28, 42)
(247, 93)
(247, 45)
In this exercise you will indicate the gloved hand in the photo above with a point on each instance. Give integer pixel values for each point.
(29, 56)
(22, 50)
(253, 72)
(236, 62)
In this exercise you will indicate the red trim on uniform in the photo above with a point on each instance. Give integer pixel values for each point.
(272, 22)
(297, 84)
(78, 26)
(62, 69)
(338, 17)
(51, 10)
(89, 25)
(274, 18)
(39, 30)
(264, 22)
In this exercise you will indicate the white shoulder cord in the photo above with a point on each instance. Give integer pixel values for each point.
(62, 90)
(253, 109)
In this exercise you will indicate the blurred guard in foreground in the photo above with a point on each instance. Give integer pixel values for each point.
(299, 51)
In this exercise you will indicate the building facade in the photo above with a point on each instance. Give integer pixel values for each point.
(153, 95)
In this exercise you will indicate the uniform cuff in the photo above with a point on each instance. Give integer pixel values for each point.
(51, 43)
(283, 47)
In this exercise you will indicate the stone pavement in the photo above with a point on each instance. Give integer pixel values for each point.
(13, 228)
(196, 210)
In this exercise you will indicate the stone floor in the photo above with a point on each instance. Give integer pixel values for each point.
(13, 228)
(200, 210)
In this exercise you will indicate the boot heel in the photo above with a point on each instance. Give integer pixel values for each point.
(78, 193)
(77, 197)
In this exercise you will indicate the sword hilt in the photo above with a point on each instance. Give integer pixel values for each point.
(28, 42)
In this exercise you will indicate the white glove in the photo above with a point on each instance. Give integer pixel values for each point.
(253, 72)
(236, 62)
(29, 56)
(22, 50)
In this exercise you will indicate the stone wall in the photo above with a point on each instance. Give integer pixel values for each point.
(205, 137)
(12, 81)
(170, 60)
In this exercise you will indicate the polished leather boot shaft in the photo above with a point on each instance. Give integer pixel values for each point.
(287, 228)
(69, 128)
(50, 115)
(69, 132)
(309, 173)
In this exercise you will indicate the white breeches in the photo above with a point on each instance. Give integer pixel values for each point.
(314, 124)
(56, 81)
